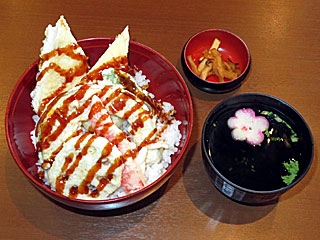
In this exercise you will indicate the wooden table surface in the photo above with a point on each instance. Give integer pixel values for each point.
(283, 38)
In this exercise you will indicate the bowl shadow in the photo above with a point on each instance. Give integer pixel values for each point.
(57, 219)
(209, 200)
(154, 197)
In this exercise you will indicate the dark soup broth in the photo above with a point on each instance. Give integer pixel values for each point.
(272, 164)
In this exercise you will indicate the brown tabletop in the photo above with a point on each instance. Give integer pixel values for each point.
(283, 38)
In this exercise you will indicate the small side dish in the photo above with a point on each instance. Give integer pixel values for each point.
(216, 61)
(212, 63)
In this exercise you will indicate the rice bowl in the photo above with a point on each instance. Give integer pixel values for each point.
(180, 103)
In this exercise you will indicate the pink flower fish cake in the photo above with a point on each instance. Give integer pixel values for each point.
(247, 126)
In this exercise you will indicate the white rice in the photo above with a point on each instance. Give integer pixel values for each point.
(141, 79)
(35, 118)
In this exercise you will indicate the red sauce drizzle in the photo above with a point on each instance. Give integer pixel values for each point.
(131, 153)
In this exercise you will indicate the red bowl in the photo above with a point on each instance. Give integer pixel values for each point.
(232, 47)
(166, 84)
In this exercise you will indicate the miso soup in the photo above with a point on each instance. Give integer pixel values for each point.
(262, 166)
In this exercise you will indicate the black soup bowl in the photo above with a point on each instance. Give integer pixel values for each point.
(255, 147)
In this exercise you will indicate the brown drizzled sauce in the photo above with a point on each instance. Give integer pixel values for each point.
(62, 178)
(109, 174)
(69, 159)
(119, 63)
(68, 74)
(60, 115)
(83, 188)
(48, 162)
(136, 93)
